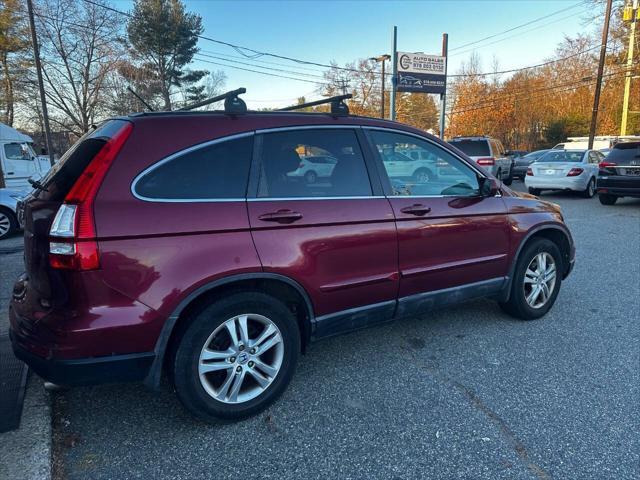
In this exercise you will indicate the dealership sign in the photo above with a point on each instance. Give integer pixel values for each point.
(421, 73)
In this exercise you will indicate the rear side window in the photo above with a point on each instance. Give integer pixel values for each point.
(625, 152)
(284, 174)
(473, 148)
(216, 171)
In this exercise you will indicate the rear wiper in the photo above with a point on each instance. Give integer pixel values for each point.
(37, 185)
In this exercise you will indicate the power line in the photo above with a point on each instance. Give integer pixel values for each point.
(518, 26)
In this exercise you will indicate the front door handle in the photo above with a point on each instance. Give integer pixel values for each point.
(416, 209)
(281, 216)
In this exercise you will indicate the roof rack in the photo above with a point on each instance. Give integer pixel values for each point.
(338, 107)
(232, 104)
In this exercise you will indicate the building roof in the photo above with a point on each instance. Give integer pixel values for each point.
(12, 135)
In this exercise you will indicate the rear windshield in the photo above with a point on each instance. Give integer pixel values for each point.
(61, 177)
(535, 155)
(473, 148)
(625, 152)
(562, 156)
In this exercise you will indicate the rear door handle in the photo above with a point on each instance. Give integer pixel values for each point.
(281, 216)
(416, 209)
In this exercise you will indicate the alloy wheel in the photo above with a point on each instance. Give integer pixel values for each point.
(5, 224)
(241, 358)
(539, 280)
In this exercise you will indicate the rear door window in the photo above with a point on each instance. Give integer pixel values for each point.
(215, 171)
(284, 175)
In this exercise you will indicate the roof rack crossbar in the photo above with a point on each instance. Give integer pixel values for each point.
(232, 105)
(338, 107)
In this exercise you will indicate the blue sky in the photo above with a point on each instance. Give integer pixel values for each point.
(347, 30)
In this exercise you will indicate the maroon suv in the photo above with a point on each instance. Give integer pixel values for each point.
(194, 243)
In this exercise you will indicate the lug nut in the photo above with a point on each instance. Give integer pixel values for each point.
(251, 364)
(241, 347)
(232, 359)
(253, 350)
(238, 369)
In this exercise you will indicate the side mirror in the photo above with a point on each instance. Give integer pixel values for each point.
(489, 187)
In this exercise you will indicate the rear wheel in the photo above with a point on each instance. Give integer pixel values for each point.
(236, 356)
(536, 281)
(534, 191)
(606, 199)
(509, 180)
(590, 191)
(8, 223)
(311, 176)
(422, 175)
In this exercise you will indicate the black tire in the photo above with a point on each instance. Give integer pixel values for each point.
(517, 305)
(9, 223)
(509, 179)
(420, 174)
(606, 199)
(185, 359)
(590, 191)
(310, 176)
(534, 191)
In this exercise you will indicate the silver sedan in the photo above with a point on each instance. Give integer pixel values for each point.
(8, 201)
(572, 170)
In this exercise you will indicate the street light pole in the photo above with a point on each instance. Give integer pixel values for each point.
(382, 58)
(596, 96)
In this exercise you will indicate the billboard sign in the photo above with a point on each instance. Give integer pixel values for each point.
(421, 73)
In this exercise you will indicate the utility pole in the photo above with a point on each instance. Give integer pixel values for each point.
(635, 14)
(382, 58)
(43, 100)
(443, 97)
(596, 97)
(394, 77)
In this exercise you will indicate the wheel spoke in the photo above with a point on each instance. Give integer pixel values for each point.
(268, 369)
(533, 296)
(244, 329)
(545, 291)
(261, 379)
(542, 262)
(224, 388)
(231, 328)
(274, 340)
(237, 384)
(208, 354)
(270, 330)
(213, 367)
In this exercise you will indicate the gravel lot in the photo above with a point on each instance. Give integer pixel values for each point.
(461, 393)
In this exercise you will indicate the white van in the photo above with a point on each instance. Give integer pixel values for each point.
(18, 159)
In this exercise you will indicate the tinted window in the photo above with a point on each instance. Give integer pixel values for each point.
(218, 171)
(562, 156)
(625, 152)
(284, 175)
(473, 148)
(445, 175)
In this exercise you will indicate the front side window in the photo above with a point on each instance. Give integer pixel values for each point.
(18, 151)
(216, 171)
(441, 174)
(312, 163)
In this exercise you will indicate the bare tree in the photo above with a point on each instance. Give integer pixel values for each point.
(81, 46)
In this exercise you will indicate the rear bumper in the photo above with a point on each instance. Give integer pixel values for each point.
(619, 186)
(577, 184)
(85, 371)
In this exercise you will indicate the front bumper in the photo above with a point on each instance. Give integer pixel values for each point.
(85, 371)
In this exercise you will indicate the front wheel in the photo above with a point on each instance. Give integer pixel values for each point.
(606, 199)
(509, 180)
(534, 191)
(236, 356)
(590, 191)
(422, 175)
(311, 176)
(8, 223)
(536, 281)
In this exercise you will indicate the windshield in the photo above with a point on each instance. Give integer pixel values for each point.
(535, 155)
(562, 156)
(473, 148)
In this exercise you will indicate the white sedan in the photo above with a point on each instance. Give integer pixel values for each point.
(572, 170)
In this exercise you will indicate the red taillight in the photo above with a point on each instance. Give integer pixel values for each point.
(574, 172)
(486, 162)
(73, 243)
(605, 164)
(529, 172)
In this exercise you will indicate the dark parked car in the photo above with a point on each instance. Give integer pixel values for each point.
(521, 164)
(619, 174)
(178, 242)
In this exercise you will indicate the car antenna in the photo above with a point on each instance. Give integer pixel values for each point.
(338, 107)
(149, 107)
(232, 104)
